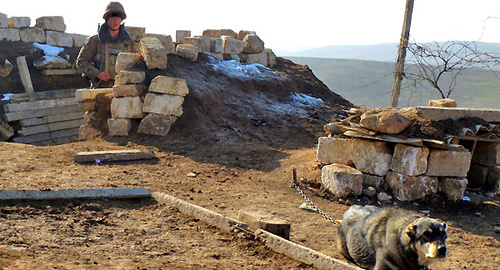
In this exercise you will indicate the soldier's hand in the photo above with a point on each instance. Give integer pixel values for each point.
(104, 76)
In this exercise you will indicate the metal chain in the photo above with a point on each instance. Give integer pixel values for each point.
(296, 186)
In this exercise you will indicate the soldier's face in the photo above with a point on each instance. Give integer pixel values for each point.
(114, 22)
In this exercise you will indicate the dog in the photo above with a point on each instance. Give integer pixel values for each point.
(390, 239)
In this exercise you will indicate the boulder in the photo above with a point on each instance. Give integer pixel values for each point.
(153, 52)
(409, 160)
(254, 58)
(31, 35)
(127, 107)
(389, 122)
(187, 51)
(4, 20)
(448, 163)
(126, 60)
(453, 188)
(373, 157)
(212, 33)
(253, 44)
(128, 90)
(410, 188)
(156, 124)
(180, 35)
(52, 23)
(135, 33)
(243, 33)
(9, 34)
(334, 150)
(59, 39)
(119, 127)
(130, 77)
(19, 22)
(169, 85)
(446, 102)
(342, 180)
(5, 68)
(231, 45)
(163, 104)
(51, 62)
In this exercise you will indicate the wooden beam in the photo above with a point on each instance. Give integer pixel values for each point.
(25, 76)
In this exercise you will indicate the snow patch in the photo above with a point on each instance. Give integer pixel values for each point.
(48, 49)
(235, 69)
(6, 97)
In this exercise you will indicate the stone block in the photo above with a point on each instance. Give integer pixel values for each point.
(195, 41)
(448, 163)
(453, 188)
(216, 56)
(9, 34)
(231, 45)
(409, 160)
(271, 58)
(372, 181)
(187, 51)
(169, 85)
(59, 39)
(493, 181)
(334, 150)
(6, 131)
(51, 62)
(216, 45)
(4, 20)
(135, 33)
(79, 40)
(166, 40)
(228, 32)
(31, 35)
(19, 22)
(119, 127)
(6, 68)
(486, 153)
(446, 102)
(156, 124)
(127, 107)
(51, 23)
(205, 43)
(410, 188)
(163, 104)
(254, 58)
(342, 180)
(90, 94)
(126, 60)
(435, 113)
(477, 176)
(180, 35)
(373, 157)
(128, 90)
(212, 33)
(243, 33)
(253, 44)
(389, 122)
(258, 220)
(153, 52)
(130, 77)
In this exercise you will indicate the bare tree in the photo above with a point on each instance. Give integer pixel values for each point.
(432, 62)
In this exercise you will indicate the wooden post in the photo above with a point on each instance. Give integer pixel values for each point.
(400, 62)
(25, 76)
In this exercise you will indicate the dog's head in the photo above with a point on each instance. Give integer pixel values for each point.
(428, 237)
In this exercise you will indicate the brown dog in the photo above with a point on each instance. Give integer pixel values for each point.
(392, 239)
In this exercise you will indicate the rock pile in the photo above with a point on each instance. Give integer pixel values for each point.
(369, 150)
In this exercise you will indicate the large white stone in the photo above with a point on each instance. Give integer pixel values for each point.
(119, 126)
(253, 44)
(59, 39)
(4, 20)
(448, 163)
(127, 107)
(231, 45)
(187, 51)
(31, 35)
(154, 53)
(19, 22)
(373, 157)
(169, 85)
(180, 35)
(410, 188)
(156, 124)
(409, 160)
(130, 77)
(163, 104)
(334, 150)
(9, 34)
(453, 188)
(53, 23)
(126, 60)
(389, 122)
(342, 180)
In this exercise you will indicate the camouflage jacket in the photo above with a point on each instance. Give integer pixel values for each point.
(92, 57)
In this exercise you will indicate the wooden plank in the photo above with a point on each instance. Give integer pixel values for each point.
(39, 104)
(47, 136)
(25, 76)
(114, 155)
(26, 131)
(53, 72)
(51, 119)
(71, 194)
(54, 94)
(40, 113)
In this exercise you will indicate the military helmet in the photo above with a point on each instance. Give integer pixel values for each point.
(114, 7)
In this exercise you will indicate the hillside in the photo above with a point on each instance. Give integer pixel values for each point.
(368, 84)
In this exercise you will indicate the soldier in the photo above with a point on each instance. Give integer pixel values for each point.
(97, 58)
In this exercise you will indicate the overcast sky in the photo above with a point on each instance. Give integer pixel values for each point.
(286, 25)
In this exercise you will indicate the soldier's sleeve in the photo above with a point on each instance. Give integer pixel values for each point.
(84, 61)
